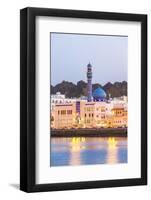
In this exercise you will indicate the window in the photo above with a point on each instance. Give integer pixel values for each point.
(63, 112)
(69, 112)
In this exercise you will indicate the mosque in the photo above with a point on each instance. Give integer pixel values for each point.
(94, 112)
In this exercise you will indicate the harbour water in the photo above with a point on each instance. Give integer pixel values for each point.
(69, 151)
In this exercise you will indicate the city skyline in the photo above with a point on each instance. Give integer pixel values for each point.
(105, 53)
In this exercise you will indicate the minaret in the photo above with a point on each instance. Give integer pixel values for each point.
(89, 82)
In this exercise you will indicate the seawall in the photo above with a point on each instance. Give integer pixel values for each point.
(102, 132)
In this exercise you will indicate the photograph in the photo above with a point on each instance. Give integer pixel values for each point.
(88, 99)
(83, 99)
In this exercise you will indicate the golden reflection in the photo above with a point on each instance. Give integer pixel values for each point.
(112, 142)
(77, 144)
(77, 140)
(112, 151)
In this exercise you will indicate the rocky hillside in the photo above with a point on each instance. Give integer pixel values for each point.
(70, 89)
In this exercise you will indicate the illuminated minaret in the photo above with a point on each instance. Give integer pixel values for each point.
(89, 79)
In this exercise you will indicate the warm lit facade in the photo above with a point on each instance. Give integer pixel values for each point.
(63, 116)
(82, 114)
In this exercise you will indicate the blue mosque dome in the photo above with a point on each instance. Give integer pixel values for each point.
(99, 94)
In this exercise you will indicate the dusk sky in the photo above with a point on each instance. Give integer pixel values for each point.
(70, 54)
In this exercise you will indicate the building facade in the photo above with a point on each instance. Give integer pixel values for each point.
(95, 112)
(82, 114)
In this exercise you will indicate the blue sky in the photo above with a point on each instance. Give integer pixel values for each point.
(70, 54)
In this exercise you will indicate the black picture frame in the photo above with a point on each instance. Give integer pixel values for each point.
(28, 99)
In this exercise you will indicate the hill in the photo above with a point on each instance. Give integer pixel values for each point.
(70, 89)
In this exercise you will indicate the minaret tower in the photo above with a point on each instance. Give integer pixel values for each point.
(89, 82)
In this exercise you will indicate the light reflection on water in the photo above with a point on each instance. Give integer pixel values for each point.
(88, 150)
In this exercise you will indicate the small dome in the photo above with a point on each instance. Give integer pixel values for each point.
(99, 94)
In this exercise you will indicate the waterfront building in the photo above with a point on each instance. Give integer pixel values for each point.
(64, 115)
(95, 112)
(59, 98)
(118, 117)
(56, 98)
(82, 114)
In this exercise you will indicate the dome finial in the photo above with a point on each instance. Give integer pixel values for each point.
(89, 64)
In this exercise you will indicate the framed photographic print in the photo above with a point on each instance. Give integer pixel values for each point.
(83, 99)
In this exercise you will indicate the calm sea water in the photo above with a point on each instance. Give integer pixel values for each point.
(88, 150)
